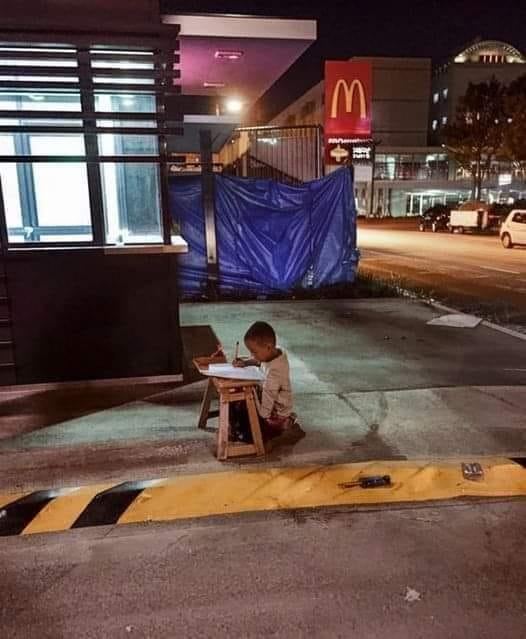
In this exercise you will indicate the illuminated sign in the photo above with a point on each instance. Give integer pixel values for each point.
(342, 149)
(339, 153)
(363, 153)
(348, 99)
(348, 111)
(349, 95)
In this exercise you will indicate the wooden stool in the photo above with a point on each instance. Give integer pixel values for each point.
(230, 390)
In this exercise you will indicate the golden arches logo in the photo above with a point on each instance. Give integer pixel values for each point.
(356, 85)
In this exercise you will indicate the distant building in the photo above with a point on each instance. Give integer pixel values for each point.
(410, 105)
(401, 88)
(479, 62)
(400, 106)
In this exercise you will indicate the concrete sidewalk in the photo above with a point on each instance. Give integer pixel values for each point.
(372, 381)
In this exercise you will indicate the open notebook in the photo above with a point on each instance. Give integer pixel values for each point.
(251, 373)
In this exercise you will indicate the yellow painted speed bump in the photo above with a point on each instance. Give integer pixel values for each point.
(188, 496)
(61, 513)
(7, 498)
(290, 488)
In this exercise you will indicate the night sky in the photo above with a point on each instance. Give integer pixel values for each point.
(432, 28)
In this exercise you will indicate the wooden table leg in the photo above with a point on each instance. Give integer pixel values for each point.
(205, 404)
(254, 422)
(223, 431)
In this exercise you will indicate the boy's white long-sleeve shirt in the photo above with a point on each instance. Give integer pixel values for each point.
(276, 393)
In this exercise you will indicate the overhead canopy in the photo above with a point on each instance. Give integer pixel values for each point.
(262, 50)
(233, 57)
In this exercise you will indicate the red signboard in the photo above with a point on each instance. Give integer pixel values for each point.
(348, 97)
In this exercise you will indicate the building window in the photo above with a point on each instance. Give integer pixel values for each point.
(445, 93)
(51, 141)
(434, 126)
(132, 210)
(435, 98)
(444, 120)
(492, 58)
(35, 209)
(402, 166)
(119, 103)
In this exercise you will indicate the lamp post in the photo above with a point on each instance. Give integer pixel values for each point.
(373, 162)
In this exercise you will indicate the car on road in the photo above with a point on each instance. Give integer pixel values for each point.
(435, 218)
(478, 217)
(471, 216)
(513, 229)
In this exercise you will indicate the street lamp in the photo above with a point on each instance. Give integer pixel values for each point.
(234, 105)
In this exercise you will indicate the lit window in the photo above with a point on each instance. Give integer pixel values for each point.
(47, 194)
(444, 120)
(30, 62)
(100, 64)
(435, 98)
(10, 186)
(118, 103)
(38, 78)
(435, 125)
(116, 144)
(131, 202)
(113, 80)
(39, 101)
(445, 93)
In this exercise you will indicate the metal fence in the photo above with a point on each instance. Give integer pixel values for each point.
(286, 154)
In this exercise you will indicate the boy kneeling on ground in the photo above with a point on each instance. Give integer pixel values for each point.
(275, 404)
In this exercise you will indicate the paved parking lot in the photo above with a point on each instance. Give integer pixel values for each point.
(372, 380)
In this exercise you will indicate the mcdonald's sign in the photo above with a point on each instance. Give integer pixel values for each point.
(348, 94)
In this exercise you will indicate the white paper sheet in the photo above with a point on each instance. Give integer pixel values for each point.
(460, 320)
(251, 373)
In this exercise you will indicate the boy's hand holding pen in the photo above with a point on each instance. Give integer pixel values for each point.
(238, 362)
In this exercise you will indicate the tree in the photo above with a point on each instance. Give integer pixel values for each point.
(514, 140)
(475, 138)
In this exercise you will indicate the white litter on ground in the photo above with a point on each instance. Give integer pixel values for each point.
(456, 320)
(412, 595)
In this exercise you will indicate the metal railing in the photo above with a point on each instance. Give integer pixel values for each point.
(287, 154)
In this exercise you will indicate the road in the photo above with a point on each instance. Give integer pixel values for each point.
(443, 570)
(469, 271)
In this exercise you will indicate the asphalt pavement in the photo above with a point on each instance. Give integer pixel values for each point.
(473, 272)
(449, 570)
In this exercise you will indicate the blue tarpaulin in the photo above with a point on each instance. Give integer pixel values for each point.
(271, 237)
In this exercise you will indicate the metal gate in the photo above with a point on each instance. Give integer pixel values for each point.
(288, 154)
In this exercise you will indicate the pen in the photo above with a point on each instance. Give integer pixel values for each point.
(236, 355)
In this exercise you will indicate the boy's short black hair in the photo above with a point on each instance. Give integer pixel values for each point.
(261, 332)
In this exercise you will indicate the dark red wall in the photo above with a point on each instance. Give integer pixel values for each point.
(80, 315)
